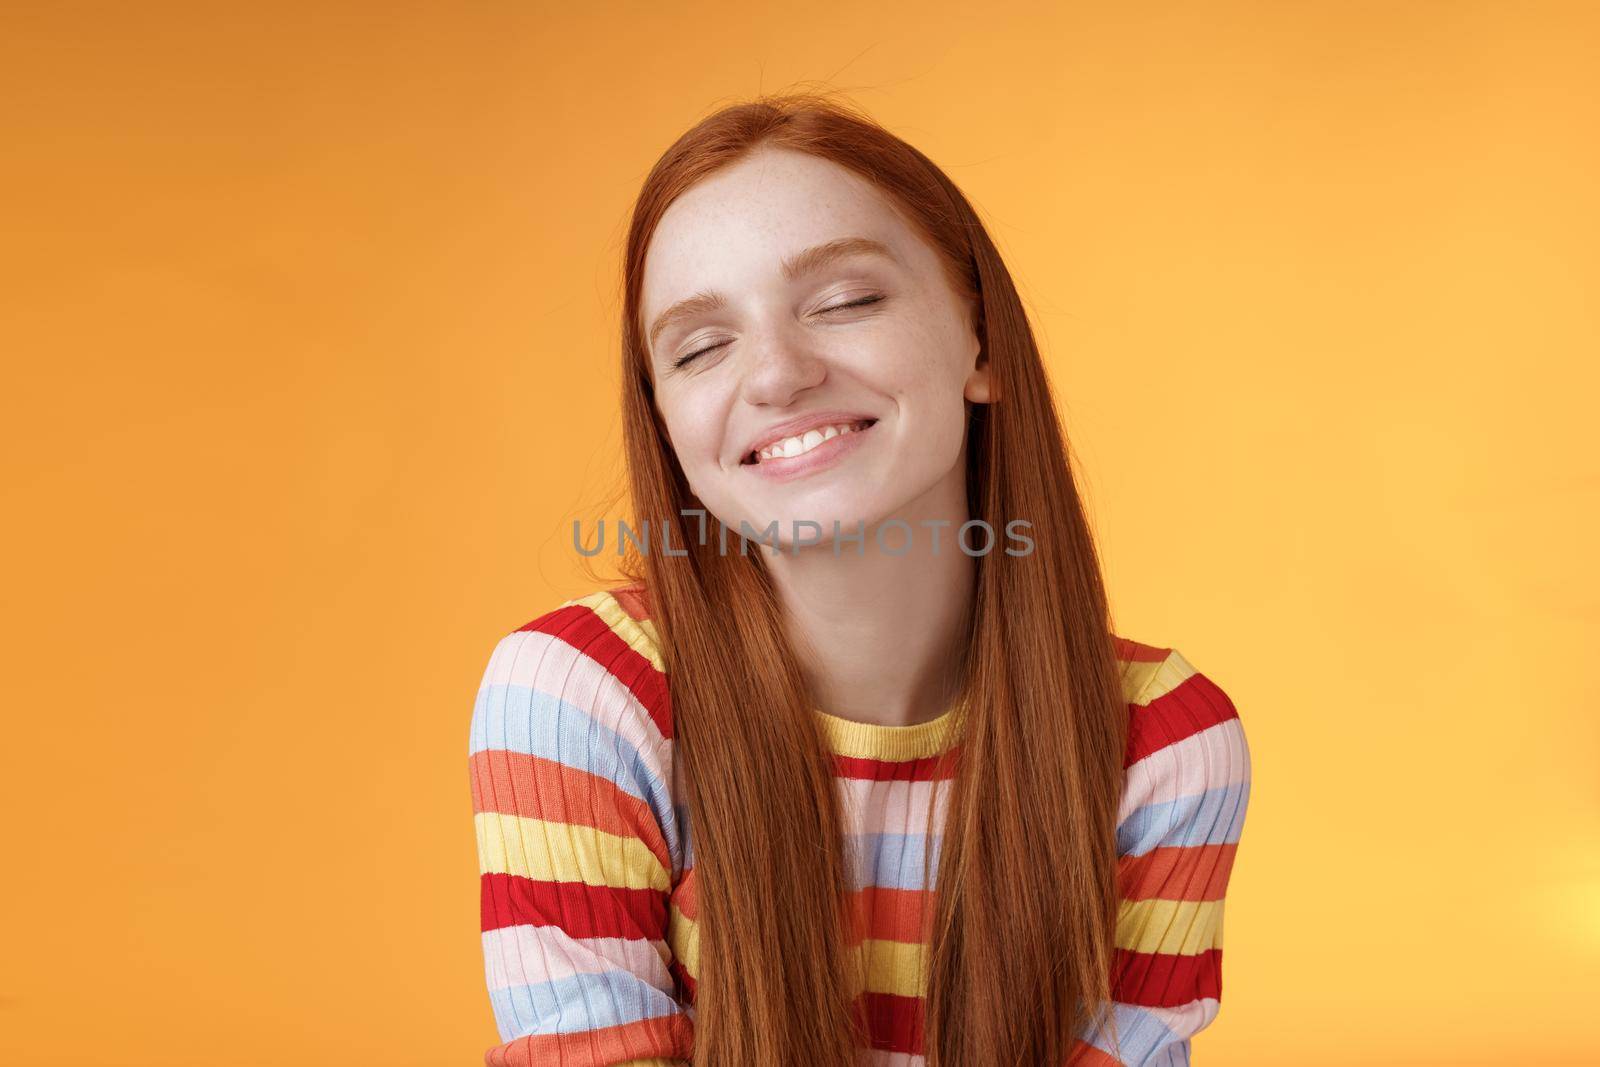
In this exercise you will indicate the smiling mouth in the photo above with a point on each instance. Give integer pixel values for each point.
(796, 451)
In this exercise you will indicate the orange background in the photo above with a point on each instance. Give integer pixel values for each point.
(310, 346)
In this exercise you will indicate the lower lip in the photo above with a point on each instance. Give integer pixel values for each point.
(825, 455)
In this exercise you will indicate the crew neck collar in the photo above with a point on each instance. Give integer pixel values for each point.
(867, 740)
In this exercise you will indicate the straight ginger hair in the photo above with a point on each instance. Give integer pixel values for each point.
(1021, 944)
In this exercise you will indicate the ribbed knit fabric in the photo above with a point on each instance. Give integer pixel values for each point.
(587, 868)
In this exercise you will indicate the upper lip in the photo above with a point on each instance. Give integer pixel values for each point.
(796, 426)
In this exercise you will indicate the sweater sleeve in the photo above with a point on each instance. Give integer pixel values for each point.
(578, 848)
(1183, 806)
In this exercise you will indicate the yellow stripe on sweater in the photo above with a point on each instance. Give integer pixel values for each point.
(1179, 927)
(1162, 678)
(640, 636)
(891, 966)
(683, 936)
(1168, 926)
(565, 852)
(897, 967)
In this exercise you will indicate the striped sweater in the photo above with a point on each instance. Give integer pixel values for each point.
(586, 865)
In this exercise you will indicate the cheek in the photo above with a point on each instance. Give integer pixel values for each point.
(898, 361)
(933, 345)
(929, 380)
(693, 435)
(924, 363)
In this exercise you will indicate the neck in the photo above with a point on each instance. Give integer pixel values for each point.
(878, 634)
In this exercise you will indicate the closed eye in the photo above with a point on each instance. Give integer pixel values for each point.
(681, 360)
(863, 302)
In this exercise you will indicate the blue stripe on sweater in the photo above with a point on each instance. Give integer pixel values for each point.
(1213, 817)
(578, 1003)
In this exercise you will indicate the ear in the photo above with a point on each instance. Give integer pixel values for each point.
(977, 388)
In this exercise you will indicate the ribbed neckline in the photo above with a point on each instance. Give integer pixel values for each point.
(845, 737)
(866, 740)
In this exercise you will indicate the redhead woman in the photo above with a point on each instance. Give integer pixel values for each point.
(848, 766)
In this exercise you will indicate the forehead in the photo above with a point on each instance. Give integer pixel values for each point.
(732, 229)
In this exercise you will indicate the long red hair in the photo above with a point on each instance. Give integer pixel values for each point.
(1021, 942)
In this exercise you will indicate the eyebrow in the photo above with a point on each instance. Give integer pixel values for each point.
(796, 266)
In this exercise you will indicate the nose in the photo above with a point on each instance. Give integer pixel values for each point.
(778, 368)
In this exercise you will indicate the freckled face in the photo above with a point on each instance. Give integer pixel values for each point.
(875, 334)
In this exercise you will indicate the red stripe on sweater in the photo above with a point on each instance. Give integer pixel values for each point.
(1135, 652)
(889, 914)
(686, 896)
(635, 600)
(579, 909)
(928, 769)
(669, 1036)
(1084, 1054)
(686, 983)
(1165, 979)
(894, 1023)
(1195, 704)
(1186, 872)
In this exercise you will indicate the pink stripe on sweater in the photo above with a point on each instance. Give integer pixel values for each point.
(1213, 758)
(549, 665)
(529, 955)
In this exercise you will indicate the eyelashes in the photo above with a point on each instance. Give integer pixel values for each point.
(863, 302)
(681, 360)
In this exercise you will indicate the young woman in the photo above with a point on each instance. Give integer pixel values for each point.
(851, 768)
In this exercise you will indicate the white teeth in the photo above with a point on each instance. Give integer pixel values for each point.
(803, 443)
